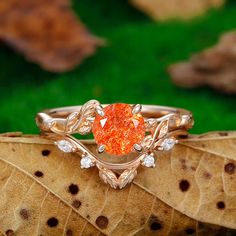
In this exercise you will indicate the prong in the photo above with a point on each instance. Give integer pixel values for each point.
(84, 154)
(151, 154)
(74, 149)
(99, 110)
(160, 148)
(137, 147)
(101, 148)
(136, 108)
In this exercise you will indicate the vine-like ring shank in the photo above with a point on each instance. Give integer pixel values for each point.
(183, 118)
(159, 128)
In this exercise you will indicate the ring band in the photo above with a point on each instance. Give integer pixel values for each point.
(126, 135)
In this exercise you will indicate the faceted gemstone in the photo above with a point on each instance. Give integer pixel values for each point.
(168, 144)
(119, 129)
(86, 162)
(64, 145)
(149, 161)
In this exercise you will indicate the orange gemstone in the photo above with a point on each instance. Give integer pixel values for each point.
(119, 129)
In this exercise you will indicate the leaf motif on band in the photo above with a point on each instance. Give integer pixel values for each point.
(127, 176)
(109, 177)
(71, 122)
(163, 129)
(87, 113)
(161, 137)
(78, 121)
(160, 131)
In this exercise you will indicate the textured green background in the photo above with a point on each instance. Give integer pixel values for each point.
(132, 68)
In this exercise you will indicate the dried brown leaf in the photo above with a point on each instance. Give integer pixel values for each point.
(46, 32)
(214, 67)
(163, 9)
(44, 192)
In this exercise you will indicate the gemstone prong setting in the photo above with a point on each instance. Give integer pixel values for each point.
(119, 129)
(101, 149)
(137, 108)
(129, 135)
(149, 160)
(99, 110)
(138, 147)
(86, 162)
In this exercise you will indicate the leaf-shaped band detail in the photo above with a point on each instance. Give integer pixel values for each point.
(76, 122)
(109, 177)
(60, 123)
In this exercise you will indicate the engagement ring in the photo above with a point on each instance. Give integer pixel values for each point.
(126, 135)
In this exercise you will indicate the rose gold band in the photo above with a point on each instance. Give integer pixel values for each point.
(147, 111)
(183, 118)
(157, 127)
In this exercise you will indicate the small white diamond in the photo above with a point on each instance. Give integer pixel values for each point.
(86, 162)
(64, 145)
(168, 144)
(149, 161)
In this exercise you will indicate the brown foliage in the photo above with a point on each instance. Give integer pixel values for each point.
(46, 32)
(214, 67)
(166, 9)
(44, 191)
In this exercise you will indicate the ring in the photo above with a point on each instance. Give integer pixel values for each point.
(126, 135)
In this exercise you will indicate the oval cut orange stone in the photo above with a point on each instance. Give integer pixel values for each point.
(119, 129)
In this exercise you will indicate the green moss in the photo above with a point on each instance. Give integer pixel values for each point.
(132, 68)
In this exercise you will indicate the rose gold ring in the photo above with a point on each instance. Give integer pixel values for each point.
(126, 135)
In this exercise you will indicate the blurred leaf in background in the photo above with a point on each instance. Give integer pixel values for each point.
(46, 32)
(213, 67)
(131, 68)
(184, 9)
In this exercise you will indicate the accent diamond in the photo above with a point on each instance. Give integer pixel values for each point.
(168, 144)
(149, 160)
(65, 145)
(86, 162)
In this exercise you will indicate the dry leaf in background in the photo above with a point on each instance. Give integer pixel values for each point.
(46, 32)
(214, 67)
(44, 191)
(166, 9)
